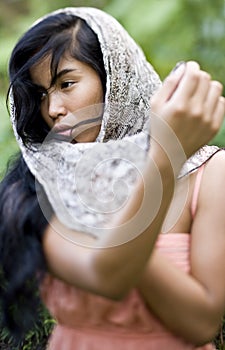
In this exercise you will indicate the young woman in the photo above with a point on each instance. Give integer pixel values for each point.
(112, 267)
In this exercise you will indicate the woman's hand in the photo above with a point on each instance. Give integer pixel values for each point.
(191, 105)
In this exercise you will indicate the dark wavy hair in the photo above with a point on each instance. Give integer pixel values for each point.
(22, 261)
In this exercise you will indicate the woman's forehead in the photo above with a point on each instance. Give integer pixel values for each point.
(40, 72)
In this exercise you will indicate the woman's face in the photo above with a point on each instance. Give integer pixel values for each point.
(75, 96)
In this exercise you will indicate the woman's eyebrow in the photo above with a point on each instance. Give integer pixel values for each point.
(58, 76)
(64, 71)
(61, 73)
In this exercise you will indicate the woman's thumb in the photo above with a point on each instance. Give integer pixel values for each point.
(172, 81)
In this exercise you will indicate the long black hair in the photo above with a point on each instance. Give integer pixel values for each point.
(21, 255)
(22, 261)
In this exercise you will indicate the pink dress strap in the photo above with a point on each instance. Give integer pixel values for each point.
(196, 190)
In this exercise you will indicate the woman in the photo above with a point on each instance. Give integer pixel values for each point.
(80, 106)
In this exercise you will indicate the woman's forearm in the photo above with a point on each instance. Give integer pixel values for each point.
(183, 304)
(113, 269)
(142, 217)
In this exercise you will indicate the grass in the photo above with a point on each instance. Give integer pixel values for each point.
(220, 338)
(35, 339)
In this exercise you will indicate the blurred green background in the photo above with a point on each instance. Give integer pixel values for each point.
(167, 30)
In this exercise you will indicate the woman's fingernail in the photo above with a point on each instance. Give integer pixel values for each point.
(180, 65)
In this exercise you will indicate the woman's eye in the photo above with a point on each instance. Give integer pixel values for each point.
(42, 94)
(67, 84)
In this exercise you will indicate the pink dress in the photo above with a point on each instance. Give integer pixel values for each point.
(89, 322)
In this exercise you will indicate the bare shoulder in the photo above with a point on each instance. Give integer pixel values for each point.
(217, 161)
(208, 224)
(213, 178)
(210, 219)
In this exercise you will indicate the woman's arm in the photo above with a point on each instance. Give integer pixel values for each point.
(192, 305)
(112, 271)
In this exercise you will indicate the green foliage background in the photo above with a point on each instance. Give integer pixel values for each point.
(167, 30)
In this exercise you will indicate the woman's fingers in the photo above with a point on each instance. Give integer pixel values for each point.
(218, 114)
(200, 94)
(169, 85)
(197, 95)
(212, 98)
(188, 84)
(191, 105)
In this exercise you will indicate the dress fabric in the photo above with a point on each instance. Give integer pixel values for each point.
(89, 322)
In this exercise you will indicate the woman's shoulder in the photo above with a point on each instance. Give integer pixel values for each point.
(216, 164)
(212, 186)
(206, 183)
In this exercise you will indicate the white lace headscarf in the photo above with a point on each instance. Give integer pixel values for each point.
(87, 182)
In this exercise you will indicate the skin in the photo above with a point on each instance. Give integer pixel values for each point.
(190, 104)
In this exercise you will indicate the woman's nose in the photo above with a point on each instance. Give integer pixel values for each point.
(56, 105)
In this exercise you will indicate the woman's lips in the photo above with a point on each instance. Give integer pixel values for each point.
(66, 133)
(62, 133)
(61, 129)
